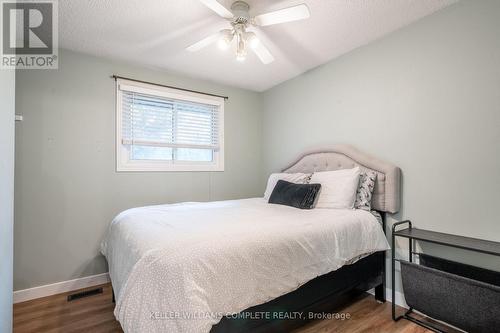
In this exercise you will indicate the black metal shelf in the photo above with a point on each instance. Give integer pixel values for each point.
(461, 242)
(414, 234)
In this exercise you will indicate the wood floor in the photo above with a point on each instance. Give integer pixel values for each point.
(95, 314)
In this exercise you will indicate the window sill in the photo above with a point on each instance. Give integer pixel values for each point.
(170, 168)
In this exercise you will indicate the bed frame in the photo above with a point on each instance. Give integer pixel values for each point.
(327, 292)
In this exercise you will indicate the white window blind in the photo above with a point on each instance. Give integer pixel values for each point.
(155, 121)
(168, 126)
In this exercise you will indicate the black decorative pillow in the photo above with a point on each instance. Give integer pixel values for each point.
(301, 196)
(365, 190)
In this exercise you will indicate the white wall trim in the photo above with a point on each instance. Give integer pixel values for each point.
(60, 287)
(400, 298)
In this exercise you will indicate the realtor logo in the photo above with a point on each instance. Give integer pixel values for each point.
(29, 34)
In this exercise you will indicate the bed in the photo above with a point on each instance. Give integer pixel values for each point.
(246, 265)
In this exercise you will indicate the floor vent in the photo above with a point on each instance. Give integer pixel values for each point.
(85, 293)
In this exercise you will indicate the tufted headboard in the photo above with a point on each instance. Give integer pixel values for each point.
(386, 195)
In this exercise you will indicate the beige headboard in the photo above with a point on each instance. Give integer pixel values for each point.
(386, 195)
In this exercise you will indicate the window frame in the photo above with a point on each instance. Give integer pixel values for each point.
(123, 161)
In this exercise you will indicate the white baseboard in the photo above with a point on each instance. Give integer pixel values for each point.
(400, 298)
(60, 287)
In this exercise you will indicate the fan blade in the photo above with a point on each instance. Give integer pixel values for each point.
(218, 8)
(204, 42)
(289, 14)
(263, 53)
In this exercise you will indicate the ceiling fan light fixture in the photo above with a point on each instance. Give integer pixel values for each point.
(223, 44)
(251, 39)
(241, 52)
(240, 19)
(225, 41)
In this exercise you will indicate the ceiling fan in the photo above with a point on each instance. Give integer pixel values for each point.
(240, 21)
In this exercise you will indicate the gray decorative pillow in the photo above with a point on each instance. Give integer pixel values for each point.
(365, 190)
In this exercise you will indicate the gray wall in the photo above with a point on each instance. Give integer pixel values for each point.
(426, 98)
(67, 190)
(7, 100)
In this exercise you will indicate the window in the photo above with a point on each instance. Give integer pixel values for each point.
(165, 129)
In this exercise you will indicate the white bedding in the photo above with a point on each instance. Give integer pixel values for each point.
(181, 267)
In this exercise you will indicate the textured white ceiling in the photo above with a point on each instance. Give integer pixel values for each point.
(156, 32)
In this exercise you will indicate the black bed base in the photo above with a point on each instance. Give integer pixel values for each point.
(323, 294)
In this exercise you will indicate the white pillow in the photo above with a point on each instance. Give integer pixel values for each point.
(297, 178)
(338, 188)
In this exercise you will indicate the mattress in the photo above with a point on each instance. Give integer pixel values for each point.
(182, 267)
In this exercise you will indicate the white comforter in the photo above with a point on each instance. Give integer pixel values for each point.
(181, 267)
